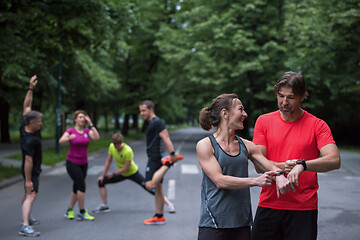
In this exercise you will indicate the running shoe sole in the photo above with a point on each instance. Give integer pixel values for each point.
(29, 235)
(102, 211)
(155, 223)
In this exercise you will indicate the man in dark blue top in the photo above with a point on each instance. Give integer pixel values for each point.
(30, 143)
(156, 136)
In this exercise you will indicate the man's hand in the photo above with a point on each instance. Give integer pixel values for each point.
(282, 185)
(33, 82)
(289, 165)
(100, 179)
(110, 175)
(174, 158)
(294, 175)
(29, 187)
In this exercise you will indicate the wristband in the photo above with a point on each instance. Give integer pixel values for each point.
(302, 162)
(281, 173)
(91, 126)
(30, 89)
(172, 153)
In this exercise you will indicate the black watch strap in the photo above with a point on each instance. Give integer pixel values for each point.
(302, 162)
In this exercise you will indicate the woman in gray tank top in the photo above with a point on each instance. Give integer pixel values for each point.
(225, 211)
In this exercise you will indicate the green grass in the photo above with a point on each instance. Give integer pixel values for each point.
(8, 172)
(350, 148)
(15, 135)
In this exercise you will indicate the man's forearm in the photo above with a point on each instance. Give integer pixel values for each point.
(169, 145)
(280, 165)
(28, 101)
(106, 168)
(28, 166)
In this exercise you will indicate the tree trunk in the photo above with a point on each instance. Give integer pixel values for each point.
(4, 121)
(125, 130)
(116, 118)
(144, 127)
(135, 122)
(106, 123)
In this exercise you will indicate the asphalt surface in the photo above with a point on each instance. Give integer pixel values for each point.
(339, 194)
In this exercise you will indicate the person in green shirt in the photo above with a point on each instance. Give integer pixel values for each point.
(123, 156)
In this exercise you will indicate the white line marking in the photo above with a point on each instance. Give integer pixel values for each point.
(95, 170)
(182, 144)
(189, 169)
(352, 178)
(171, 189)
(57, 171)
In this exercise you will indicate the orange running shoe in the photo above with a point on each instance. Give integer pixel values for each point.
(155, 220)
(164, 160)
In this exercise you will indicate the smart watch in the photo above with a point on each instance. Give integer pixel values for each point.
(302, 162)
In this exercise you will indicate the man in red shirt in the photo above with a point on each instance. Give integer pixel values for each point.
(301, 145)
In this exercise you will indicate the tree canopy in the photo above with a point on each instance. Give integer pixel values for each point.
(180, 54)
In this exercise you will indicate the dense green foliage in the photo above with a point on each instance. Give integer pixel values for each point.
(180, 54)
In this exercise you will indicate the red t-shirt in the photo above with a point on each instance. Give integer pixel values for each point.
(301, 139)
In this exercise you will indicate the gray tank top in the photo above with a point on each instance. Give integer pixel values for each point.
(223, 208)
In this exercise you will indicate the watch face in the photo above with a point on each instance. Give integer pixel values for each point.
(302, 162)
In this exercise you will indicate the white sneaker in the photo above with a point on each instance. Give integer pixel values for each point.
(28, 231)
(171, 208)
(102, 208)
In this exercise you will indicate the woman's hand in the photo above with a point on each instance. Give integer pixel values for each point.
(265, 179)
(88, 120)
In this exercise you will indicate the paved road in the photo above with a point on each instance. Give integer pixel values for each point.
(339, 210)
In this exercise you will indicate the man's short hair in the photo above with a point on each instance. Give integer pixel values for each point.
(149, 104)
(117, 138)
(293, 80)
(30, 116)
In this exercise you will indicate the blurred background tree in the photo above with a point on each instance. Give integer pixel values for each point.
(180, 54)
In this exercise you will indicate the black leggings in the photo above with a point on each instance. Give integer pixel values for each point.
(136, 177)
(78, 175)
